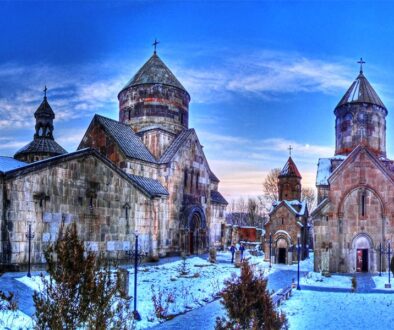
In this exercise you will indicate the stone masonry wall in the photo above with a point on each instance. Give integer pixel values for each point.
(85, 191)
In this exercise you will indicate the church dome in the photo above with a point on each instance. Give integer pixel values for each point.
(361, 91)
(154, 71)
(154, 99)
(360, 119)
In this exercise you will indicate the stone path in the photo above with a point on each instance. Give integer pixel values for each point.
(205, 317)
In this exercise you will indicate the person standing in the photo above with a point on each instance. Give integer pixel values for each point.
(242, 249)
(232, 250)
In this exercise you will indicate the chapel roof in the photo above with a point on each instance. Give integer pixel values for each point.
(42, 146)
(9, 163)
(217, 197)
(154, 71)
(290, 169)
(124, 136)
(153, 187)
(361, 91)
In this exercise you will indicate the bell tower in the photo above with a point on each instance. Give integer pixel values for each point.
(289, 182)
(360, 119)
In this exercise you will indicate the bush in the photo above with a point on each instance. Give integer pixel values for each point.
(248, 303)
(82, 291)
(7, 302)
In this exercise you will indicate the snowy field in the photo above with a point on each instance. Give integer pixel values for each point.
(380, 281)
(311, 310)
(334, 281)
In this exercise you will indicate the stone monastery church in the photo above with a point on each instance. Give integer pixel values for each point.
(355, 212)
(145, 172)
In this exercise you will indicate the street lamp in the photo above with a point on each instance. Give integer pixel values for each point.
(29, 236)
(270, 246)
(388, 262)
(298, 262)
(380, 258)
(138, 256)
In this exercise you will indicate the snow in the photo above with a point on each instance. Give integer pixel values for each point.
(323, 171)
(311, 310)
(15, 320)
(334, 281)
(380, 281)
(34, 282)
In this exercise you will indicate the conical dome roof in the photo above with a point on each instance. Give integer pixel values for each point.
(290, 170)
(361, 91)
(154, 71)
(45, 109)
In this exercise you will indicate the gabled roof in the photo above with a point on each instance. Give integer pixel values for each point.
(154, 71)
(9, 163)
(153, 187)
(319, 207)
(296, 207)
(150, 187)
(353, 154)
(130, 144)
(361, 91)
(216, 197)
(175, 145)
(42, 145)
(290, 169)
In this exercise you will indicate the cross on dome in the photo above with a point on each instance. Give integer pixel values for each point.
(361, 62)
(290, 149)
(155, 45)
(45, 91)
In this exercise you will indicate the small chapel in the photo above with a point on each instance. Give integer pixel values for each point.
(353, 221)
(143, 174)
(287, 230)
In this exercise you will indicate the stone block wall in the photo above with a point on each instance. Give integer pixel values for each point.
(85, 191)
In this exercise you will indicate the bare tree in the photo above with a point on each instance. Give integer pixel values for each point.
(309, 196)
(253, 211)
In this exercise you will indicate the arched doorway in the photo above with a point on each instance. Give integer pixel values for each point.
(281, 248)
(194, 229)
(362, 245)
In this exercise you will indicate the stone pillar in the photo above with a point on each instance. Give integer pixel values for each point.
(237, 261)
(124, 284)
(235, 235)
(228, 236)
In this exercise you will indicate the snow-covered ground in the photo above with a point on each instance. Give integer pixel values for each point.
(380, 281)
(179, 293)
(15, 320)
(334, 281)
(311, 310)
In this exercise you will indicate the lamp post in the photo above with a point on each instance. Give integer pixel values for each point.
(138, 256)
(388, 261)
(29, 236)
(298, 262)
(380, 258)
(270, 249)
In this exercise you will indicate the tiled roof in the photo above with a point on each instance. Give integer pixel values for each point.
(216, 197)
(151, 186)
(174, 147)
(45, 108)
(361, 91)
(324, 169)
(290, 169)
(42, 145)
(9, 163)
(154, 71)
(128, 141)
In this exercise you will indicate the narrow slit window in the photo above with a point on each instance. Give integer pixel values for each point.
(362, 205)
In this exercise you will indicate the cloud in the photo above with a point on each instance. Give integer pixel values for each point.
(268, 74)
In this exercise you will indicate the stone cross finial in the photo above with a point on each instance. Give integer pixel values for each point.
(155, 44)
(290, 149)
(45, 91)
(361, 62)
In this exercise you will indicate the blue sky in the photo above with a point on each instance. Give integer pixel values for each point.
(262, 75)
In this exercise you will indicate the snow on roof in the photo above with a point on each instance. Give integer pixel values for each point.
(291, 204)
(9, 163)
(324, 169)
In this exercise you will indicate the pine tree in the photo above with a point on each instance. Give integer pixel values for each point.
(82, 290)
(248, 303)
